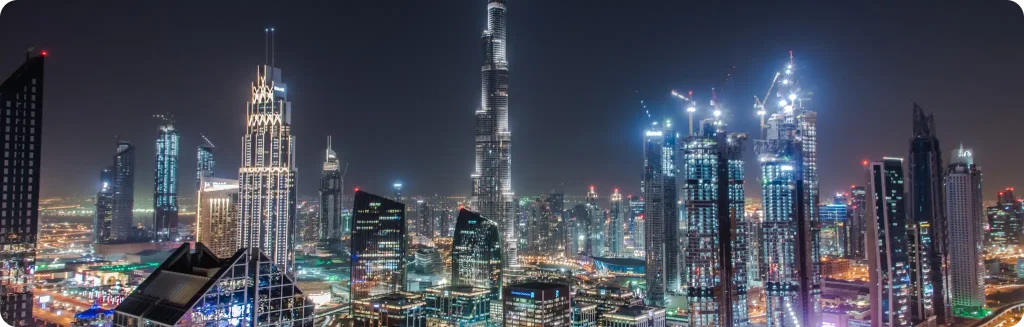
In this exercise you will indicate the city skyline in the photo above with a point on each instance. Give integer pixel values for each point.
(851, 99)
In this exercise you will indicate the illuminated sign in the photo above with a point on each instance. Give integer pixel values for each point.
(278, 88)
(524, 294)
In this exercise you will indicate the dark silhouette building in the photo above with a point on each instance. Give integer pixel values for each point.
(927, 248)
(379, 246)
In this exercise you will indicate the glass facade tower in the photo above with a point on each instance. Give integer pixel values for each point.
(888, 260)
(715, 234)
(124, 191)
(103, 220)
(379, 246)
(661, 210)
(165, 185)
(928, 248)
(331, 189)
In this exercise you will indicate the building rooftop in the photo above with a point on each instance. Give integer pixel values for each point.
(538, 285)
(460, 290)
(634, 312)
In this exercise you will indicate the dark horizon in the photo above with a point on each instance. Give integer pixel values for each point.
(397, 87)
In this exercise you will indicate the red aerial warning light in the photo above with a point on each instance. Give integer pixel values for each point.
(357, 188)
(864, 163)
(43, 53)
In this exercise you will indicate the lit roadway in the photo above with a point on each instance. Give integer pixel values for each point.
(67, 316)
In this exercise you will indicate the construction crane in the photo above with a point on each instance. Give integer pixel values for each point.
(207, 140)
(759, 104)
(689, 109)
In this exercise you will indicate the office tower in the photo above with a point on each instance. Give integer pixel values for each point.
(557, 220)
(715, 234)
(755, 252)
(428, 261)
(594, 226)
(458, 306)
(1004, 218)
(165, 185)
(426, 219)
(542, 228)
(379, 244)
(607, 297)
(583, 315)
(927, 249)
(492, 175)
(966, 234)
(331, 188)
(634, 316)
(636, 223)
(217, 215)
(21, 96)
(536, 304)
(476, 253)
(266, 179)
(858, 222)
(579, 237)
(396, 309)
(616, 227)
(888, 260)
(661, 223)
(396, 192)
(789, 190)
(205, 163)
(103, 220)
(202, 289)
(834, 225)
(124, 192)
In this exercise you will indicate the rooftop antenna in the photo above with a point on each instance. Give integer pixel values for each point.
(266, 45)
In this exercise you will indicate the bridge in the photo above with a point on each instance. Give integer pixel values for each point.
(999, 318)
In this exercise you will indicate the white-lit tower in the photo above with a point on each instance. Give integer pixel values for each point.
(964, 208)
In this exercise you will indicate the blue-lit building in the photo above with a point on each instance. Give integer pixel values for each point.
(199, 289)
(834, 228)
(715, 238)
(205, 163)
(165, 185)
(379, 245)
(635, 234)
(888, 260)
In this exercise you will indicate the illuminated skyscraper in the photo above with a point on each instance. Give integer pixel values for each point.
(458, 306)
(165, 185)
(537, 304)
(636, 223)
(396, 192)
(21, 97)
(858, 222)
(594, 226)
(266, 179)
(1005, 219)
(217, 215)
(379, 246)
(331, 188)
(476, 253)
(103, 220)
(789, 190)
(964, 211)
(617, 216)
(928, 248)
(205, 162)
(124, 192)
(661, 209)
(715, 236)
(492, 194)
(834, 225)
(888, 260)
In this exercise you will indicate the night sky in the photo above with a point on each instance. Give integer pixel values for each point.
(396, 83)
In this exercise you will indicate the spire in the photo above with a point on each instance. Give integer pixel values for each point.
(924, 125)
(330, 152)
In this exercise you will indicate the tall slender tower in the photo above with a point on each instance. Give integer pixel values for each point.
(789, 190)
(927, 248)
(964, 211)
(266, 179)
(124, 191)
(617, 213)
(661, 223)
(858, 221)
(204, 162)
(888, 260)
(492, 177)
(716, 240)
(331, 188)
(165, 185)
(104, 219)
(594, 226)
(21, 97)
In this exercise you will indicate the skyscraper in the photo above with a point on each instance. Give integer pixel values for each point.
(124, 191)
(636, 223)
(858, 222)
(537, 304)
(888, 260)
(716, 238)
(834, 227)
(1005, 219)
(789, 190)
(492, 194)
(661, 225)
(165, 185)
(594, 226)
(396, 191)
(217, 215)
(927, 250)
(266, 179)
(964, 211)
(331, 188)
(205, 162)
(379, 244)
(21, 96)
(617, 213)
(104, 218)
(476, 253)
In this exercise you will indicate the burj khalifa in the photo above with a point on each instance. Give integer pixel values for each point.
(492, 177)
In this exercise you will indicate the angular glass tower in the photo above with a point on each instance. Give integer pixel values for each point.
(205, 163)
(21, 96)
(661, 212)
(492, 194)
(379, 246)
(964, 211)
(266, 179)
(715, 268)
(165, 185)
(858, 222)
(104, 218)
(928, 248)
(124, 191)
(888, 260)
(331, 188)
(616, 229)
(476, 253)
